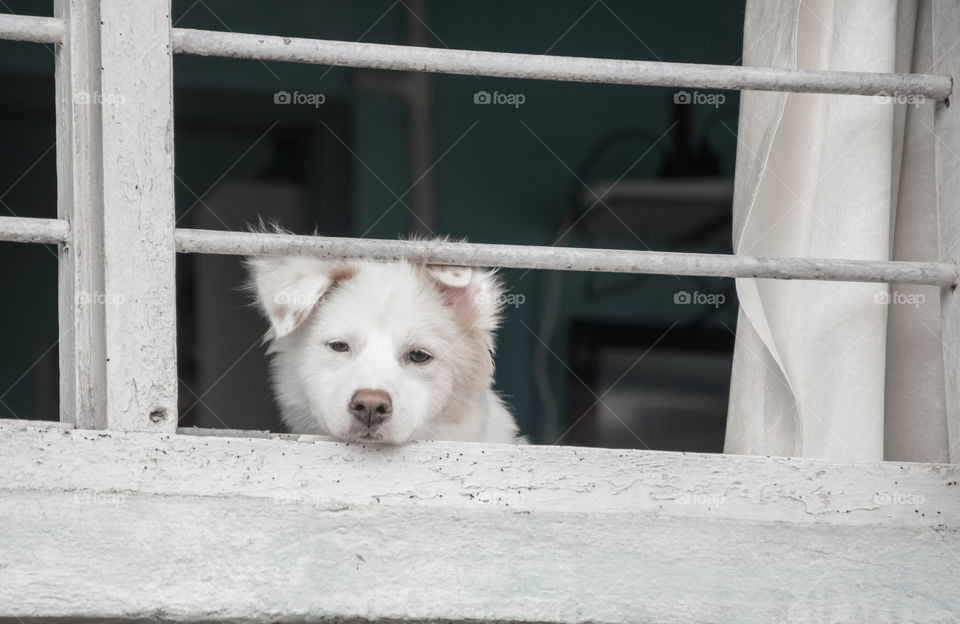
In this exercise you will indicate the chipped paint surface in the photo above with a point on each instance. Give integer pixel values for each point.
(138, 216)
(946, 124)
(272, 527)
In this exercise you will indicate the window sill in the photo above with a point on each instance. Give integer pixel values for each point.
(112, 524)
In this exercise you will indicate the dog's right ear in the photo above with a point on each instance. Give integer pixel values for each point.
(289, 288)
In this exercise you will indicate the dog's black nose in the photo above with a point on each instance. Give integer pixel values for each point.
(371, 407)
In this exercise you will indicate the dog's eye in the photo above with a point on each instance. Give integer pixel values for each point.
(339, 346)
(419, 357)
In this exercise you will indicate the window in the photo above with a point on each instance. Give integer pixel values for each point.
(111, 513)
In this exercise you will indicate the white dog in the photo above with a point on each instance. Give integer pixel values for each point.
(386, 352)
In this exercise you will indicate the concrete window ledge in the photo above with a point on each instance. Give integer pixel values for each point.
(106, 524)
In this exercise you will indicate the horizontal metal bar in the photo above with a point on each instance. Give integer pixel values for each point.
(31, 28)
(26, 230)
(567, 258)
(543, 67)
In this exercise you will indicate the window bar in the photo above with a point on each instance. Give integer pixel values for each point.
(138, 215)
(544, 67)
(79, 203)
(946, 54)
(30, 230)
(536, 66)
(32, 28)
(567, 258)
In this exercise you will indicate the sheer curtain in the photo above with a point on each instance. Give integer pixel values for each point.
(837, 370)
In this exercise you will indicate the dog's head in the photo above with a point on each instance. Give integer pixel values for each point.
(389, 352)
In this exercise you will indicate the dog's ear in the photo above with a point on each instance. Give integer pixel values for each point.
(474, 294)
(289, 288)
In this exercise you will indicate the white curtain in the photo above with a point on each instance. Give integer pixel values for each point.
(837, 370)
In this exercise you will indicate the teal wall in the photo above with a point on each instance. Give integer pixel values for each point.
(500, 184)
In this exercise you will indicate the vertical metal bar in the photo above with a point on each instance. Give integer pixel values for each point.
(79, 201)
(946, 55)
(138, 213)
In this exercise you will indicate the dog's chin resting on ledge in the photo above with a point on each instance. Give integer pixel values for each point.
(386, 352)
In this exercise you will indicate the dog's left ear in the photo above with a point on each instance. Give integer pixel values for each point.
(474, 294)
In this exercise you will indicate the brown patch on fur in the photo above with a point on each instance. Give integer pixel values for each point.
(473, 376)
(341, 273)
(338, 274)
(298, 316)
(478, 339)
(462, 303)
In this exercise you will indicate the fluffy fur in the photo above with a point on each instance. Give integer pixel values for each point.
(342, 332)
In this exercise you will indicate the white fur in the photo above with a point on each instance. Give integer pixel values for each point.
(383, 311)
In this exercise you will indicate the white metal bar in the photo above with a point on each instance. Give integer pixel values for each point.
(138, 205)
(946, 54)
(265, 530)
(29, 230)
(543, 67)
(31, 28)
(566, 258)
(79, 202)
